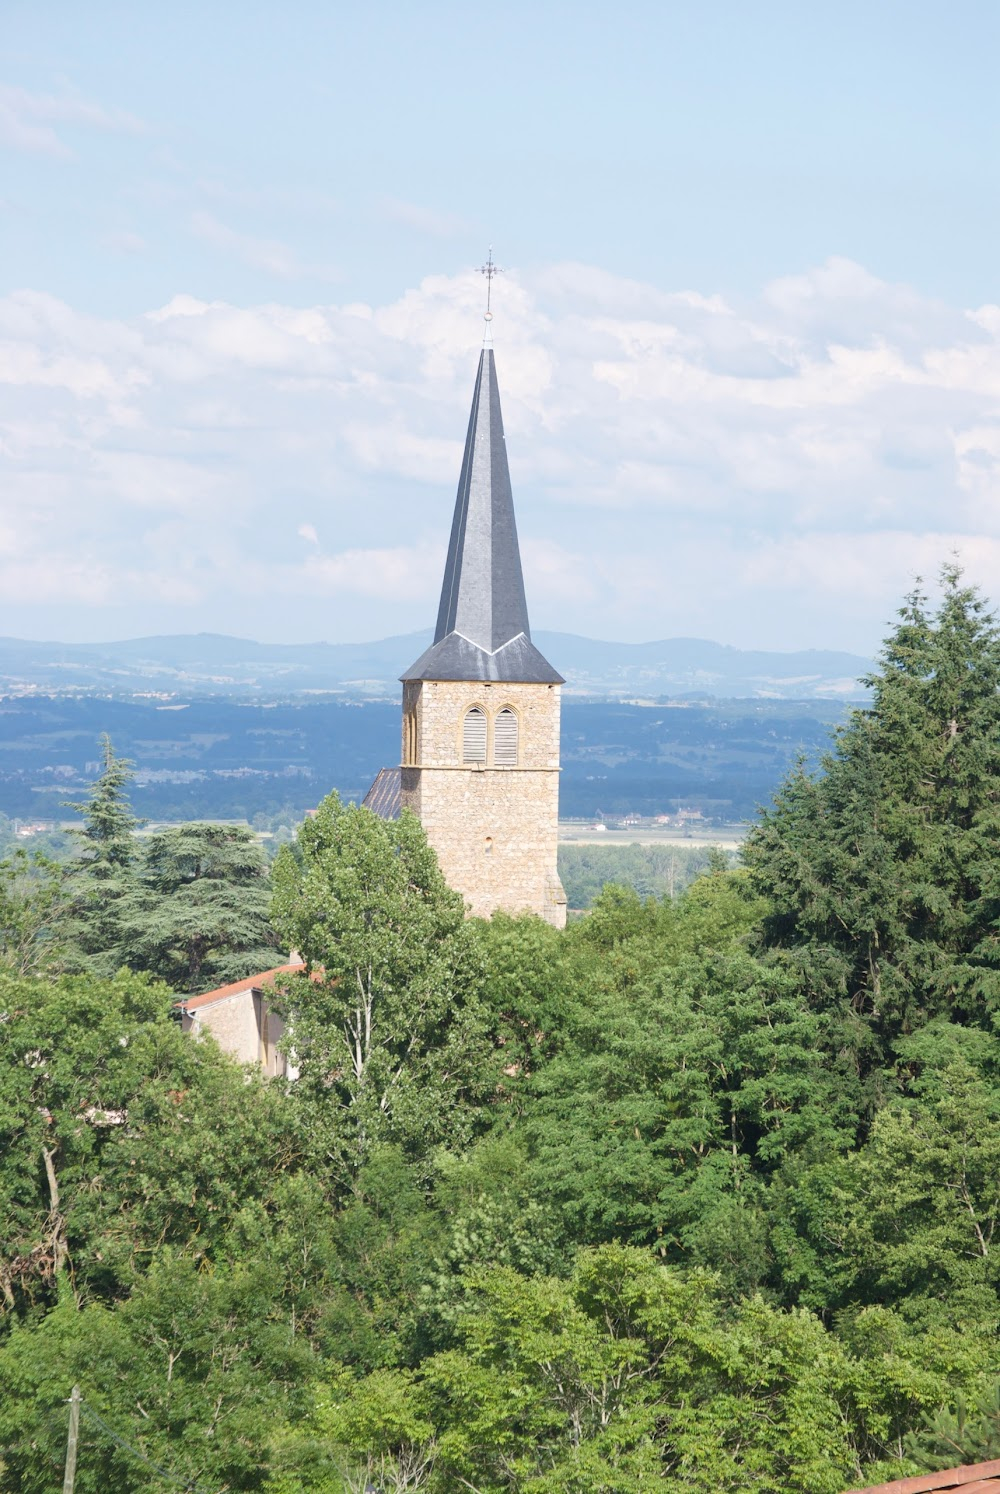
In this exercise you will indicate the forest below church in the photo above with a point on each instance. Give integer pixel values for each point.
(699, 1193)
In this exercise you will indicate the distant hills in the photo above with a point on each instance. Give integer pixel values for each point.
(213, 664)
(241, 757)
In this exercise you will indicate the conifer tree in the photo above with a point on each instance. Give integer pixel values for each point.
(102, 873)
(198, 910)
(882, 874)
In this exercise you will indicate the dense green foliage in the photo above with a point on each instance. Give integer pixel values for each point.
(199, 910)
(388, 1032)
(33, 912)
(701, 1192)
(883, 875)
(190, 904)
(651, 870)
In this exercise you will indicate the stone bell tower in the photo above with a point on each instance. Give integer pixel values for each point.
(480, 761)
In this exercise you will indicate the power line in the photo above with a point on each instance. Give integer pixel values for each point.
(130, 1447)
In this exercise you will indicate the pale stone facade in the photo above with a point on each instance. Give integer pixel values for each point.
(242, 1021)
(494, 828)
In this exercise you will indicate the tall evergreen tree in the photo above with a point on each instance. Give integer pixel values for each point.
(102, 873)
(882, 874)
(198, 911)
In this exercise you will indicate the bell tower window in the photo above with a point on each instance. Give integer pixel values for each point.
(474, 736)
(410, 739)
(505, 739)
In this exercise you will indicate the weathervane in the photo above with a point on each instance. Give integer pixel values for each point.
(489, 269)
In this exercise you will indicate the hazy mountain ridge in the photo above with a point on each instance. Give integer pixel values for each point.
(213, 663)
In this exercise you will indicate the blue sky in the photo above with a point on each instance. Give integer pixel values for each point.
(748, 339)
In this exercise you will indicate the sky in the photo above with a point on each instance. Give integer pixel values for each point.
(747, 334)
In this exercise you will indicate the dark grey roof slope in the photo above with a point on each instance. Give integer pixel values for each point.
(384, 798)
(455, 658)
(482, 628)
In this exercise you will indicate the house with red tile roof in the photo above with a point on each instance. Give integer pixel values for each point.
(243, 1021)
(973, 1478)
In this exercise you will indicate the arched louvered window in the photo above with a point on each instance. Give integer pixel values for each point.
(410, 743)
(505, 739)
(474, 736)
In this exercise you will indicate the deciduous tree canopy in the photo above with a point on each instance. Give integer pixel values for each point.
(701, 1191)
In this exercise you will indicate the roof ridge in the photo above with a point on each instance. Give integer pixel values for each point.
(236, 987)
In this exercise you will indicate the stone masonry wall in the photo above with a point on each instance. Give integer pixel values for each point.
(495, 829)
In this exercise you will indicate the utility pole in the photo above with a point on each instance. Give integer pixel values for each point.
(71, 1441)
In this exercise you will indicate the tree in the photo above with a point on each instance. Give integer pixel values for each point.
(387, 1027)
(967, 1431)
(623, 1374)
(198, 911)
(102, 873)
(32, 906)
(670, 1078)
(189, 1374)
(119, 1134)
(881, 874)
(917, 1208)
(653, 871)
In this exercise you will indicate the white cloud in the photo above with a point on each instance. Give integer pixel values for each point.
(30, 121)
(557, 572)
(402, 573)
(270, 255)
(88, 582)
(681, 464)
(377, 447)
(291, 198)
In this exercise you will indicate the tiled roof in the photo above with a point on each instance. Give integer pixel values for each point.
(249, 983)
(973, 1478)
(384, 798)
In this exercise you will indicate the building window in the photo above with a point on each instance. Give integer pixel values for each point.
(474, 736)
(505, 739)
(410, 739)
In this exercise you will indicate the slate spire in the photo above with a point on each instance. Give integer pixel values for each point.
(482, 627)
(483, 593)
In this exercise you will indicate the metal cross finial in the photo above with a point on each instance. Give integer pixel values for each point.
(489, 269)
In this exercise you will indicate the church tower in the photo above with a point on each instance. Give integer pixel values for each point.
(480, 761)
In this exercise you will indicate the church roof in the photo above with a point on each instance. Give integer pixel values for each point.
(482, 628)
(385, 797)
